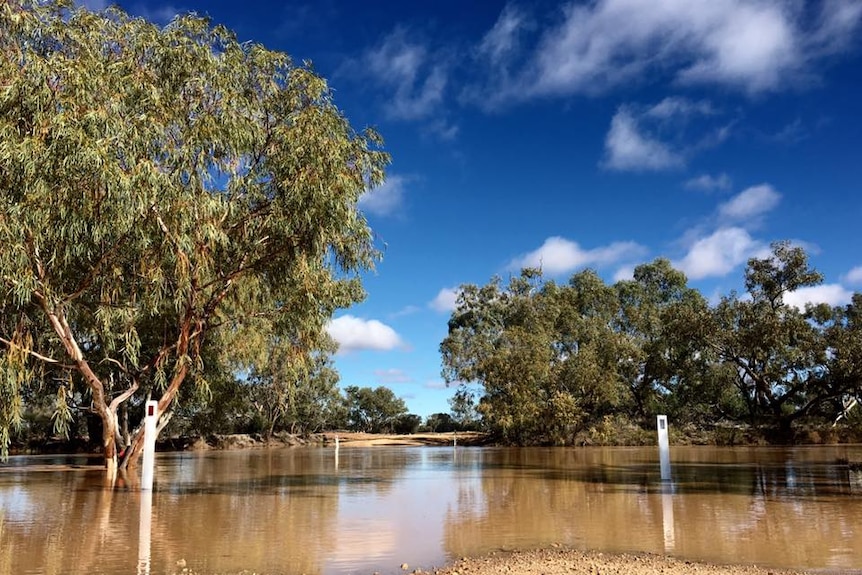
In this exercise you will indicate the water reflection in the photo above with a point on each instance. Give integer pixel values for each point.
(296, 511)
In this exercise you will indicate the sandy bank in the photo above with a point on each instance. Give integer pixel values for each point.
(564, 561)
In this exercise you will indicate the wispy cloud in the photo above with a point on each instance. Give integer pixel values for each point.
(355, 334)
(392, 375)
(709, 183)
(558, 255)
(387, 198)
(405, 68)
(627, 147)
(749, 46)
(749, 204)
(661, 136)
(445, 300)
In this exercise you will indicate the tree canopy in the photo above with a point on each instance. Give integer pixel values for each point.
(170, 196)
(555, 361)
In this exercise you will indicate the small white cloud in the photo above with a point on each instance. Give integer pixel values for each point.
(436, 384)
(624, 273)
(675, 108)
(719, 253)
(854, 276)
(386, 376)
(385, 199)
(445, 300)
(830, 294)
(749, 204)
(708, 183)
(559, 255)
(628, 148)
(354, 334)
(416, 79)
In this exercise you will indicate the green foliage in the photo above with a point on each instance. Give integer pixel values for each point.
(591, 363)
(376, 410)
(465, 414)
(165, 191)
(441, 423)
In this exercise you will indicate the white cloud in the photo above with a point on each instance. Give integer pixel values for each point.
(661, 136)
(445, 300)
(628, 148)
(392, 375)
(354, 334)
(417, 80)
(753, 46)
(501, 41)
(749, 204)
(624, 273)
(559, 255)
(708, 183)
(719, 253)
(854, 276)
(385, 199)
(831, 294)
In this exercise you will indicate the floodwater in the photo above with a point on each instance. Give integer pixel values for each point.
(361, 510)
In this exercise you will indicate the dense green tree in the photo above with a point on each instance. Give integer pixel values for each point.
(165, 191)
(554, 360)
(441, 423)
(546, 355)
(672, 368)
(376, 410)
(783, 360)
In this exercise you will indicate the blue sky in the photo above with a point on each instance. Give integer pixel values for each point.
(597, 134)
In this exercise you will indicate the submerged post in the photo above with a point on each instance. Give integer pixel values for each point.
(663, 447)
(144, 532)
(149, 457)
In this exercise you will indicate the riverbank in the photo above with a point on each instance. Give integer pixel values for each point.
(567, 561)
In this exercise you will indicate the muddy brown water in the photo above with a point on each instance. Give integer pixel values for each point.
(373, 508)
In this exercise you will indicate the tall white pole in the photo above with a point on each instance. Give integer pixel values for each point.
(149, 457)
(663, 447)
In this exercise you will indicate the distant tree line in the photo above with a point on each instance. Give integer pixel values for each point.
(557, 362)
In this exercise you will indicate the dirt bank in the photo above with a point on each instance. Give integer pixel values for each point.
(415, 439)
(565, 561)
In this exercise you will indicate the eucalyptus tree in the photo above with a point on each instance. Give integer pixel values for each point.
(376, 410)
(164, 191)
(299, 395)
(672, 369)
(785, 362)
(546, 355)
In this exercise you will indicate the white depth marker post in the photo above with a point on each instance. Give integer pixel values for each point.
(663, 447)
(144, 532)
(149, 459)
